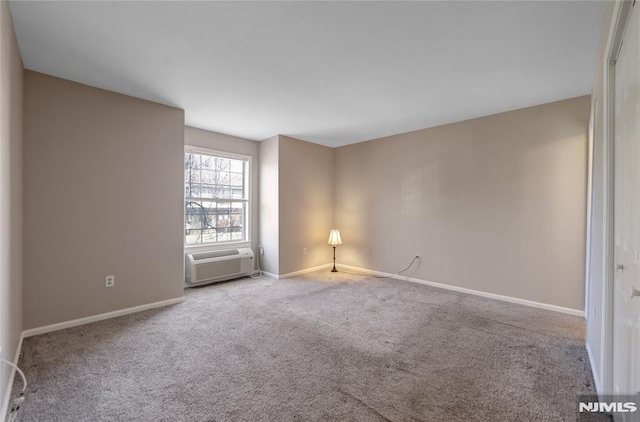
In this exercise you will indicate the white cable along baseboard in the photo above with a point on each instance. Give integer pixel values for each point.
(74, 323)
(7, 395)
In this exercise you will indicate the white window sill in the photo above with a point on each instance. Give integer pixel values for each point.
(217, 246)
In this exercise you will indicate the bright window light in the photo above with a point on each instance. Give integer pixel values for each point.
(216, 197)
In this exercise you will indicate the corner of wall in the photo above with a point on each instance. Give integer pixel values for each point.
(269, 222)
(11, 208)
(306, 192)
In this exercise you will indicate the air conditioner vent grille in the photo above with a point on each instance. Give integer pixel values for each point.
(212, 270)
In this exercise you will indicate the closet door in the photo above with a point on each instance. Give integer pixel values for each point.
(626, 318)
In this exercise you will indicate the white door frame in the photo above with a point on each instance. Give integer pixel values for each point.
(588, 299)
(621, 15)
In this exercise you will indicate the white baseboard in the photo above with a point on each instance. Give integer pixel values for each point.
(296, 273)
(519, 301)
(596, 376)
(305, 271)
(7, 396)
(363, 271)
(99, 317)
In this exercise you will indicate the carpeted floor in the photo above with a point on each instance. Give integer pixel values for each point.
(330, 347)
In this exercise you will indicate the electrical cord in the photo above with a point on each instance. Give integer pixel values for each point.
(412, 261)
(13, 414)
(15, 403)
(401, 271)
(24, 379)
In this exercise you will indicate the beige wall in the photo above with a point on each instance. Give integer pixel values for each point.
(10, 197)
(103, 195)
(296, 204)
(495, 204)
(269, 206)
(306, 204)
(225, 143)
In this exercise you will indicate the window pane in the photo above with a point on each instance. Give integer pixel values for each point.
(237, 166)
(236, 179)
(223, 220)
(191, 174)
(208, 179)
(207, 191)
(192, 236)
(223, 178)
(236, 222)
(224, 236)
(208, 162)
(193, 190)
(207, 176)
(209, 235)
(222, 164)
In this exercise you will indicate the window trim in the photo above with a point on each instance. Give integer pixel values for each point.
(247, 201)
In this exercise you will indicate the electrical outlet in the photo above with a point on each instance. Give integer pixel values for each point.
(304, 251)
(260, 250)
(110, 281)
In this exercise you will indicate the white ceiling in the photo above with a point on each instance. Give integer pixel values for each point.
(333, 73)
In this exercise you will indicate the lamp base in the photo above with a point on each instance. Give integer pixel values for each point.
(334, 261)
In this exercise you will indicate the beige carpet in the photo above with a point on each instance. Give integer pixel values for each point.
(330, 347)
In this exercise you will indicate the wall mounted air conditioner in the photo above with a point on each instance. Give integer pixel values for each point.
(209, 267)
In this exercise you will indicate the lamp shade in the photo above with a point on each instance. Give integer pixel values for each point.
(334, 238)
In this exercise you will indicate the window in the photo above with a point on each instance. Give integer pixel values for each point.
(216, 197)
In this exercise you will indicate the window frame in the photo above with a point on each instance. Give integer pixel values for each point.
(247, 200)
